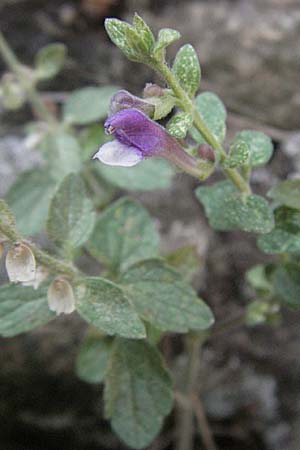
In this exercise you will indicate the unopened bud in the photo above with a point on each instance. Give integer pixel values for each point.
(41, 275)
(20, 263)
(205, 151)
(61, 297)
(153, 90)
(125, 100)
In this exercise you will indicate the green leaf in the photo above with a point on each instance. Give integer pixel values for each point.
(149, 175)
(287, 284)
(213, 113)
(22, 309)
(179, 124)
(285, 237)
(123, 235)
(90, 140)
(6, 216)
(260, 146)
(62, 153)
(166, 36)
(164, 299)
(185, 260)
(143, 31)
(186, 69)
(50, 60)
(257, 278)
(238, 156)
(29, 200)
(88, 104)
(71, 217)
(227, 209)
(117, 30)
(287, 192)
(104, 304)
(163, 105)
(92, 359)
(138, 392)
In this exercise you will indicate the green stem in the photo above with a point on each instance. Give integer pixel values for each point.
(26, 81)
(53, 264)
(186, 415)
(188, 106)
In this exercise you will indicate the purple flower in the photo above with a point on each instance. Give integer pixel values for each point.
(137, 137)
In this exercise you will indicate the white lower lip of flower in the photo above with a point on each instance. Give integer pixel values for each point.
(114, 153)
(61, 299)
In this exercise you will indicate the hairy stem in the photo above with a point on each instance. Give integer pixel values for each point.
(24, 76)
(188, 106)
(53, 264)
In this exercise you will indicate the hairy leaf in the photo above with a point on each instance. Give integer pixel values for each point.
(227, 209)
(123, 235)
(22, 309)
(29, 200)
(105, 305)
(88, 104)
(50, 60)
(186, 69)
(179, 124)
(92, 359)
(164, 299)
(287, 192)
(71, 217)
(260, 146)
(149, 175)
(137, 392)
(213, 112)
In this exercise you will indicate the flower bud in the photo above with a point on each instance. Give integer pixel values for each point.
(153, 90)
(20, 263)
(41, 275)
(125, 100)
(205, 151)
(61, 297)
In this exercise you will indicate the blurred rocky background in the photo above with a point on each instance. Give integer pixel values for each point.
(249, 51)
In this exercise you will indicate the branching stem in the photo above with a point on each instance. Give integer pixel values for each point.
(187, 104)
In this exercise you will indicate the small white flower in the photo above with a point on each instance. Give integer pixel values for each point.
(20, 263)
(61, 297)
